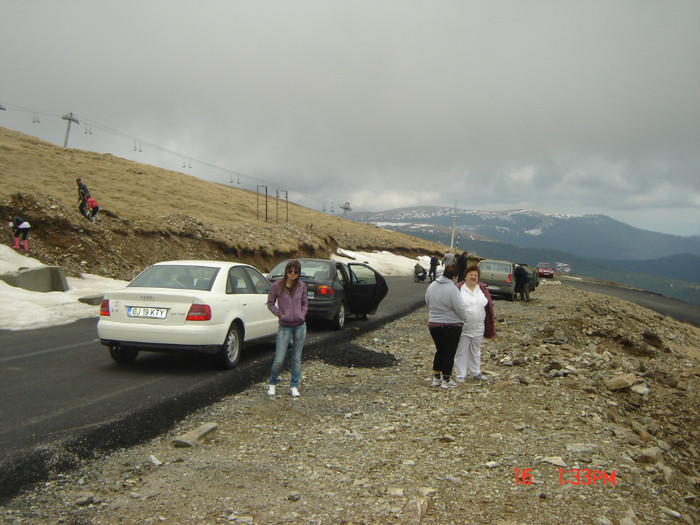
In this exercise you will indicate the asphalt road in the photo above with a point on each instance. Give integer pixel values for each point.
(62, 397)
(684, 312)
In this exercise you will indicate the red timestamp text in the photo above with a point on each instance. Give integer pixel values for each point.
(585, 476)
(572, 476)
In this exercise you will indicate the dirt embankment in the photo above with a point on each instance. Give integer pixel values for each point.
(150, 214)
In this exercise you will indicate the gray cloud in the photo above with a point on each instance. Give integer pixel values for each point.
(573, 107)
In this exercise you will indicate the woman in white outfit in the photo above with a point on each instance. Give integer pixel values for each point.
(480, 323)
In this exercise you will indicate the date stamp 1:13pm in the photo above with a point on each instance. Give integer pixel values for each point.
(572, 476)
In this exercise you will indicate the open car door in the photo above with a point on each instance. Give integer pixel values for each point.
(367, 289)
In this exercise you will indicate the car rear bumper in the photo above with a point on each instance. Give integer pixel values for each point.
(500, 290)
(205, 338)
(322, 310)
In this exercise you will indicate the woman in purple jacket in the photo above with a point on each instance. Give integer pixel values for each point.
(288, 301)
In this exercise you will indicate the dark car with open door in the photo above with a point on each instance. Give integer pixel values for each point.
(336, 289)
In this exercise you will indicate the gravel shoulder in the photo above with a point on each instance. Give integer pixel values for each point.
(370, 441)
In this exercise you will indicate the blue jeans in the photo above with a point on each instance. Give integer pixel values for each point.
(297, 334)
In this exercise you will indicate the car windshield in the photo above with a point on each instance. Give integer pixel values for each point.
(176, 276)
(320, 270)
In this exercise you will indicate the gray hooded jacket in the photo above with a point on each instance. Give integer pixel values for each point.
(444, 302)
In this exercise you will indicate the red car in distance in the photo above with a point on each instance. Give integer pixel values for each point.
(545, 270)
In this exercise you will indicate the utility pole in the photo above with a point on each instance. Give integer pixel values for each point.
(70, 118)
(257, 191)
(454, 224)
(279, 192)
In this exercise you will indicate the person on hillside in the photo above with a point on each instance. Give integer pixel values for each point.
(434, 263)
(83, 195)
(522, 282)
(449, 259)
(92, 209)
(480, 324)
(288, 300)
(446, 315)
(19, 227)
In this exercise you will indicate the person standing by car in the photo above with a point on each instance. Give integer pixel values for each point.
(19, 226)
(462, 265)
(522, 282)
(480, 324)
(83, 195)
(434, 263)
(287, 299)
(449, 259)
(446, 315)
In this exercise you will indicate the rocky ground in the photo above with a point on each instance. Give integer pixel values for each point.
(590, 416)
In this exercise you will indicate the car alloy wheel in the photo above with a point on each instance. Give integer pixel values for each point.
(339, 321)
(230, 352)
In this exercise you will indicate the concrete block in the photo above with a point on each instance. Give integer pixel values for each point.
(95, 300)
(42, 279)
(192, 438)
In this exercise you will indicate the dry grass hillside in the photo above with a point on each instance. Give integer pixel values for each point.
(151, 214)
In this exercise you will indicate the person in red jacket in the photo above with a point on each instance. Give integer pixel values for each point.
(92, 209)
(480, 324)
(288, 300)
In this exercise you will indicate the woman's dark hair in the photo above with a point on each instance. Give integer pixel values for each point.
(291, 264)
(472, 268)
(451, 271)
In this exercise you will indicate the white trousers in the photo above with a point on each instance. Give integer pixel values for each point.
(468, 356)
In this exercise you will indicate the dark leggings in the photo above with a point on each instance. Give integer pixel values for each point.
(22, 231)
(446, 340)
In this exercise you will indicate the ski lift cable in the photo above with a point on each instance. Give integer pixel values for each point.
(140, 142)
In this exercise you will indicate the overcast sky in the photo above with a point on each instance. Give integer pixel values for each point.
(584, 107)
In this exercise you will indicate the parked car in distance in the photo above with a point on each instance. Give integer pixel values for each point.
(207, 306)
(499, 278)
(336, 289)
(534, 279)
(545, 269)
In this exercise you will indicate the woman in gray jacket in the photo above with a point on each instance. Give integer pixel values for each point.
(446, 315)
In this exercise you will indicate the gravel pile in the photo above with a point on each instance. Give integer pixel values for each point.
(590, 416)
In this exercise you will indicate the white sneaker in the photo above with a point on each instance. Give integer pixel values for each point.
(479, 377)
(460, 380)
(271, 390)
(437, 381)
(295, 391)
(448, 384)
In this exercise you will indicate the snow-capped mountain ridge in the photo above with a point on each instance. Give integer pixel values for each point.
(587, 235)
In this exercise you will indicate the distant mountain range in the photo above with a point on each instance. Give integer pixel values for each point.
(593, 245)
(596, 236)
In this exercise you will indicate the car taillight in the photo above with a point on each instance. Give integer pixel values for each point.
(104, 307)
(324, 289)
(509, 279)
(199, 312)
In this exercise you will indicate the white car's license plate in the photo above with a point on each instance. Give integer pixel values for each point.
(142, 311)
(310, 295)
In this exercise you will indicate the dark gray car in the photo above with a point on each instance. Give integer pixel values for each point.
(336, 289)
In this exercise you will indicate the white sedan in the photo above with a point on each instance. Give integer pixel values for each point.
(208, 306)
